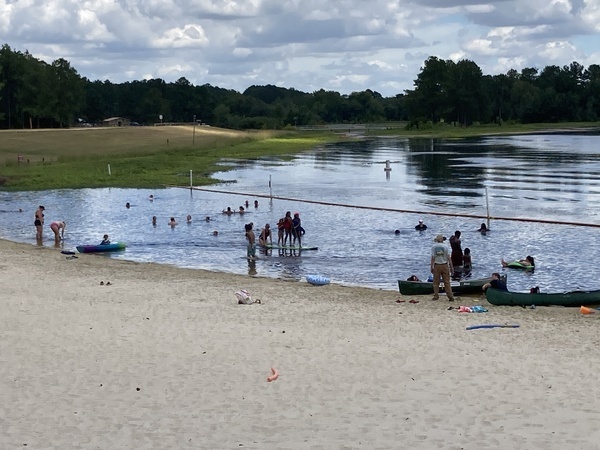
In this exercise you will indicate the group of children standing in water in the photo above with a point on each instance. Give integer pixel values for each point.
(289, 231)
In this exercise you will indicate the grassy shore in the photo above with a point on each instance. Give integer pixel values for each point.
(448, 131)
(138, 156)
(158, 156)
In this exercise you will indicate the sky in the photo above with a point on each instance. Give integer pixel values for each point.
(338, 45)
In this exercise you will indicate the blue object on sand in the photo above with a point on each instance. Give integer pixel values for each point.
(475, 327)
(317, 280)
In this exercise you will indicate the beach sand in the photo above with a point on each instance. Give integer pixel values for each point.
(165, 358)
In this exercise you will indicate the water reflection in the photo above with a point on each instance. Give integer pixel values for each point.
(543, 177)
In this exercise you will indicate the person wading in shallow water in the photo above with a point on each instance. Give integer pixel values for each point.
(265, 235)
(287, 228)
(58, 227)
(251, 248)
(39, 222)
(457, 254)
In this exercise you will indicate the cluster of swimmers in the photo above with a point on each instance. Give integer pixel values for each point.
(483, 229)
(241, 209)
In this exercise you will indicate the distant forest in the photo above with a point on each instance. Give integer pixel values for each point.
(35, 94)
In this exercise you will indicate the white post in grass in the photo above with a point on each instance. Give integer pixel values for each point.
(191, 181)
(109, 170)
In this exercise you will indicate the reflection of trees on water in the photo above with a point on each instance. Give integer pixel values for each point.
(464, 167)
(442, 167)
(348, 152)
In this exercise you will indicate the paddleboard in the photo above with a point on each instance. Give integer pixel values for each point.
(288, 247)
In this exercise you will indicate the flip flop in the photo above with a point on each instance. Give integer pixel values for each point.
(413, 301)
(400, 301)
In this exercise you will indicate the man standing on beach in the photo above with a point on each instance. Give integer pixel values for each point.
(441, 266)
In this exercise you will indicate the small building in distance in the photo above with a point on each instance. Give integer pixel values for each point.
(116, 122)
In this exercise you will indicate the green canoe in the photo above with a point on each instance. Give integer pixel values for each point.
(572, 299)
(462, 287)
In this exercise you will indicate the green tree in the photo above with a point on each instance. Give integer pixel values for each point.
(463, 87)
(68, 87)
(429, 98)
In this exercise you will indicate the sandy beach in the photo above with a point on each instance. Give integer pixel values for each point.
(165, 358)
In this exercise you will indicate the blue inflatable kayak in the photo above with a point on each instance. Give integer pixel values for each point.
(317, 280)
(101, 248)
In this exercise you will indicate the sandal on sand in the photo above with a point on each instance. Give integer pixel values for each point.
(400, 301)
(102, 283)
(413, 301)
(108, 283)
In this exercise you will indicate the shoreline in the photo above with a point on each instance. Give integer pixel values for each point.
(164, 357)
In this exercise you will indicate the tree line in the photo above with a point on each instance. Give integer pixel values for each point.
(35, 94)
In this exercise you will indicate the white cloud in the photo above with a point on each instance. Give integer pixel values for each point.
(481, 47)
(559, 52)
(590, 14)
(189, 35)
(345, 45)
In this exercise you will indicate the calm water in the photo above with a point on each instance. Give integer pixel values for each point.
(555, 177)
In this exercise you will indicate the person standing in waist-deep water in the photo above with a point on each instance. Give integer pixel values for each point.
(457, 254)
(420, 226)
(467, 262)
(251, 248)
(441, 266)
(39, 222)
(58, 227)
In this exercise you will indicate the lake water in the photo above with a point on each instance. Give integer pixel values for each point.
(548, 177)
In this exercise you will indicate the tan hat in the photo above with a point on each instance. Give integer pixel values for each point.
(439, 238)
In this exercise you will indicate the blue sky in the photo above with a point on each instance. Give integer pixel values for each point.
(340, 45)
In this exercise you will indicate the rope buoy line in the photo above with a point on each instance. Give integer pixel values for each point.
(406, 211)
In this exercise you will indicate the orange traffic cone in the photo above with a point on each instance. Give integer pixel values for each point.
(586, 310)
